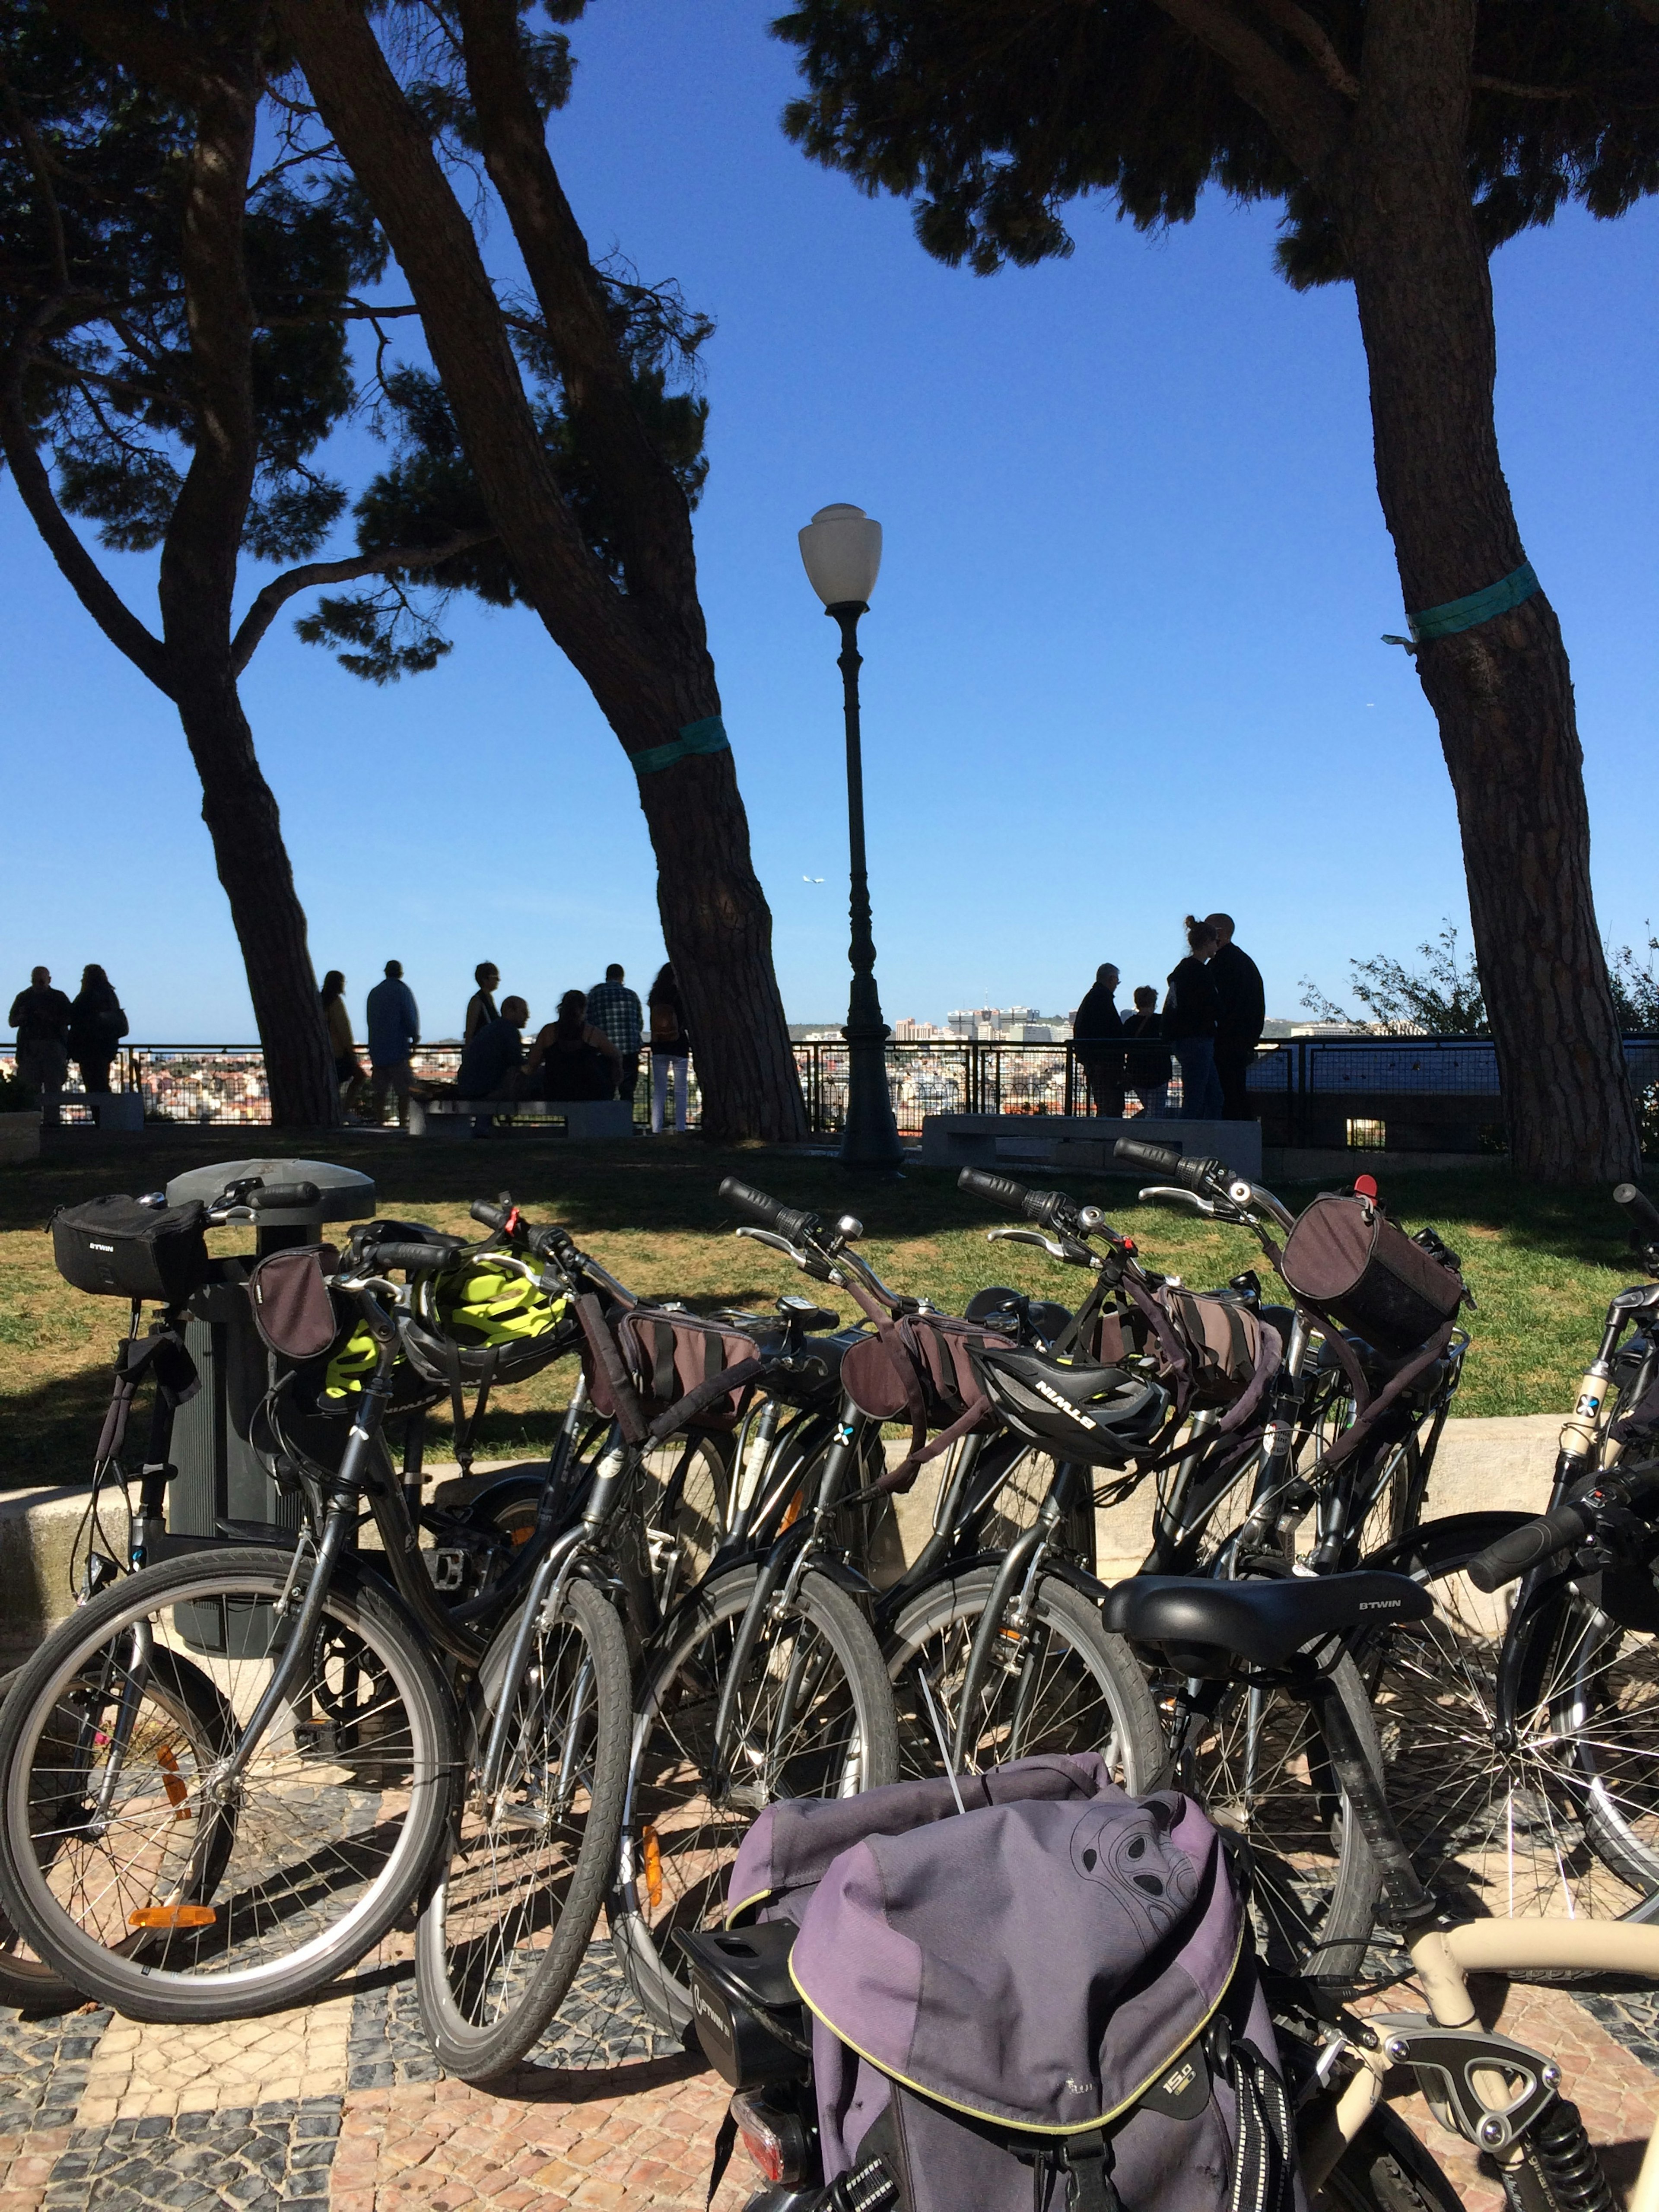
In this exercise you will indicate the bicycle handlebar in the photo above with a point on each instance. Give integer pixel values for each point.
(1641, 1206)
(1051, 1209)
(791, 1222)
(1508, 1558)
(274, 1194)
(1164, 1159)
(412, 1258)
(493, 1216)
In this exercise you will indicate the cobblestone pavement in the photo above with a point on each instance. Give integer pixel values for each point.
(338, 2106)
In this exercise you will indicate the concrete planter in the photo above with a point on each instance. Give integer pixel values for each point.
(20, 1136)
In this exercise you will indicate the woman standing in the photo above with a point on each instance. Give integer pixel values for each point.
(1189, 1018)
(96, 1027)
(348, 1068)
(670, 1045)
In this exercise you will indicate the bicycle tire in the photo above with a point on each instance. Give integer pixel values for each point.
(329, 1836)
(1386, 2169)
(1101, 1701)
(678, 1845)
(493, 1962)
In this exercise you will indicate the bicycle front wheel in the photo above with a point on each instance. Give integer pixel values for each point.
(503, 1928)
(137, 1868)
(813, 1717)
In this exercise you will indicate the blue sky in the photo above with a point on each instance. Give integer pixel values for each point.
(1123, 657)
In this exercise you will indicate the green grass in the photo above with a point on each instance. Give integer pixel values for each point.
(1542, 1264)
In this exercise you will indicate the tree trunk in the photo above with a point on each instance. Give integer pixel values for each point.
(644, 657)
(1501, 690)
(249, 852)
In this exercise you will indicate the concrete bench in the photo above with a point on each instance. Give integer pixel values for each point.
(584, 1120)
(1072, 1144)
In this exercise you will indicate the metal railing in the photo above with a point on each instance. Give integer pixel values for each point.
(1431, 1091)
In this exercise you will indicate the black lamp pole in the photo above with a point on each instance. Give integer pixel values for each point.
(870, 1137)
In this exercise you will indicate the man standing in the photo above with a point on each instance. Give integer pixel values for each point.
(612, 1007)
(394, 1030)
(40, 1016)
(1096, 1024)
(1241, 1013)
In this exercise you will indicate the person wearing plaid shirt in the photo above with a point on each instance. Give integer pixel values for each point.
(612, 1007)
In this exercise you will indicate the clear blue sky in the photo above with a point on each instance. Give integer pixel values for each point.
(1123, 659)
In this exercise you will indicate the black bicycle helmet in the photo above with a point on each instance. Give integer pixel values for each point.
(1098, 1416)
(486, 1321)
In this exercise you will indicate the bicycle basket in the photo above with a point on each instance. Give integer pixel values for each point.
(1097, 1416)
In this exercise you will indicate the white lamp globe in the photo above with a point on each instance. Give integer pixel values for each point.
(842, 549)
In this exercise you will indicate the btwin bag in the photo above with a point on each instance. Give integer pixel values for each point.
(116, 1248)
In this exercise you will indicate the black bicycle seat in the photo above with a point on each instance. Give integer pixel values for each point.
(1261, 1621)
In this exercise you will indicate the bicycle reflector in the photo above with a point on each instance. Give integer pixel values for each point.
(774, 2138)
(651, 1858)
(173, 1916)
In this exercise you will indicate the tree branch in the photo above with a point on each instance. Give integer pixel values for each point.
(1527, 91)
(281, 589)
(1315, 44)
(1307, 118)
(134, 38)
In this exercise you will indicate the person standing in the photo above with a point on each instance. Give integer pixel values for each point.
(394, 1030)
(1146, 1064)
(1097, 1023)
(96, 1028)
(40, 1016)
(614, 1008)
(670, 1047)
(348, 1068)
(1189, 1018)
(571, 1059)
(480, 1006)
(1241, 1015)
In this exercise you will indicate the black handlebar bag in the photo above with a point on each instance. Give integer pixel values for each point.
(117, 1249)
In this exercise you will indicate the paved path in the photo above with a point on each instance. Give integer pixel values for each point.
(339, 2108)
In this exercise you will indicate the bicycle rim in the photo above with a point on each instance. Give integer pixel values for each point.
(503, 1929)
(124, 1866)
(814, 1718)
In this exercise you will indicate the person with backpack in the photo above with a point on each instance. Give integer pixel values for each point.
(670, 1047)
(96, 1027)
(1190, 1021)
(1146, 1064)
(571, 1059)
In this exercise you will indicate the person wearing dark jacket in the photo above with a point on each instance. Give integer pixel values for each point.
(1241, 1014)
(96, 1028)
(1096, 1024)
(40, 1016)
(1189, 1020)
(489, 1065)
(1146, 1064)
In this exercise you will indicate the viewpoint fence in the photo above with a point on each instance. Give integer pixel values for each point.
(1408, 1094)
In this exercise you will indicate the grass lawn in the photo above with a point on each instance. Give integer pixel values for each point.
(1542, 1264)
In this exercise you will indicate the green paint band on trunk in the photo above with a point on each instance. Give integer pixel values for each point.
(1480, 606)
(705, 736)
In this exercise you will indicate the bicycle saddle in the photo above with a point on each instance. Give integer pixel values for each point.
(1263, 1621)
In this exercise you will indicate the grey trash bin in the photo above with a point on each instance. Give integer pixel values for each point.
(220, 1477)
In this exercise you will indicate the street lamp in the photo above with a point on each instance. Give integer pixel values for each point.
(842, 549)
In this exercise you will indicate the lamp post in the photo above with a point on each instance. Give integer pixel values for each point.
(842, 549)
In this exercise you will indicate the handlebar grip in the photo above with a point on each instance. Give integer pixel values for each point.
(1161, 1158)
(550, 1240)
(274, 1194)
(1203, 1177)
(790, 1222)
(493, 1216)
(1001, 1190)
(1631, 1195)
(412, 1258)
(1523, 1547)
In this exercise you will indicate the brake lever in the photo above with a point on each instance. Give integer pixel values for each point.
(1075, 1254)
(1171, 1194)
(809, 1263)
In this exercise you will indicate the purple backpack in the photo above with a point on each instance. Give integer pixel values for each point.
(1048, 1999)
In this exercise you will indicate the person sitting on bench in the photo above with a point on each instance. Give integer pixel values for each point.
(571, 1059)
(489, 1065)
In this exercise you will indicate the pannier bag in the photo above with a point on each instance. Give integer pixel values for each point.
(1346, 1258)
(1048, 1999)
(687, 1370)
(920, 1369)
(118, 1248)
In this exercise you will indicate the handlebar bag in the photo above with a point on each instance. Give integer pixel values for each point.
(293, 1306)
(1346, 1258)
(116, 1248)
(698, 1370)
(921, 1368)
(1049, 1997)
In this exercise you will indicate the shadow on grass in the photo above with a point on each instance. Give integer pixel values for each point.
(51, 1430)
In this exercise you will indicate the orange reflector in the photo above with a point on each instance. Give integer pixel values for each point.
(173, 1916)
(174, 1783)
(522, 1535)
(794, 1511)
(652, 1851)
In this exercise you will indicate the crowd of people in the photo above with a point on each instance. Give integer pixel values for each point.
(1210, 1023)
(591, 1050)
(52, 1030)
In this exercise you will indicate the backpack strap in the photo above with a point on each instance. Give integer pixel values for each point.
(1087, 2161)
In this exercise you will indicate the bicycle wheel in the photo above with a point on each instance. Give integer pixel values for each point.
(1256, 1759)
(1060, 1684)
(814, 1718)
(26, 1980)
(504, 1926)
(1386, 2169)
(127, 1866)
(1561, 1817)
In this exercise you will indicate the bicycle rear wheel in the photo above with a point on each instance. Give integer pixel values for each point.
(505, 1924)
(126, 1865)
(814, 1718)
